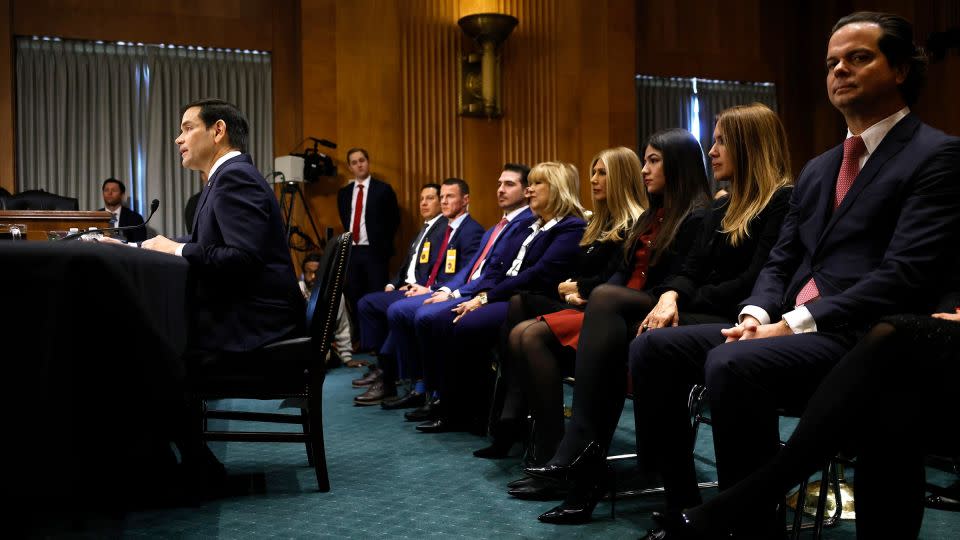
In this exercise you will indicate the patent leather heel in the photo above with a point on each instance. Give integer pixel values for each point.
(578, 507)
(590, 459)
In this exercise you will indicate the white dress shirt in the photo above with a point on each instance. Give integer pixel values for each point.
(364, 239)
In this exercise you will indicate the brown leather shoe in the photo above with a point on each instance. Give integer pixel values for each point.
(372, 376)
(377, 392)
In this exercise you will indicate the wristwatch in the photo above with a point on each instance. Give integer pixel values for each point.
(482, 297)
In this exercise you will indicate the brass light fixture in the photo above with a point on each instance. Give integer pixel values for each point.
(479, 90)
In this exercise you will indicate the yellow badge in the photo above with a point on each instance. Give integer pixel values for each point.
(425, 253)
(451, 266)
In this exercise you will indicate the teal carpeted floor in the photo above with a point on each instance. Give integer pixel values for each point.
(389, 481)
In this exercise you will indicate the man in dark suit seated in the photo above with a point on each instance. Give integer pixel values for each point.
(871, 229)
(113, 192)
(441, 249)
(245, 293)
(369, 211)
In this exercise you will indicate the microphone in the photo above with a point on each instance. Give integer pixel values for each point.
(153, 210)
(324, 142)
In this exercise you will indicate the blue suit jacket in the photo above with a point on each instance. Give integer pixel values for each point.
(246, 289)
(422, 269)
(466, 242)
(519, 223)
(885, 249)
(547, 261)
(383, 214)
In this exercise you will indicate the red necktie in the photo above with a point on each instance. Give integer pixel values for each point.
(357, 212)
(853, 148)
(441, 256)
(486, 248)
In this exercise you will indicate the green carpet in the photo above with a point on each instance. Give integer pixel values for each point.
(389, 481)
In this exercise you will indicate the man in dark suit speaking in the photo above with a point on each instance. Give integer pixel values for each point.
(246, 290)
(369, 211)
(871, 231)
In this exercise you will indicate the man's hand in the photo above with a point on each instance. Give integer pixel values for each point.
(389, 287)
(416, 290)
(567, 288)
(750, 328)
(665, 313)
(466, 307)
(162, 244)
(955, 317)
(439, 296)
(574, 299)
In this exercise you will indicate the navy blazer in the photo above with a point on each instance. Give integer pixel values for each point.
(128, 218)
(547, 261)
(383, 214)
(422, 269)
(247, 294)
(888, 245)
(520, 223)
(466, 242)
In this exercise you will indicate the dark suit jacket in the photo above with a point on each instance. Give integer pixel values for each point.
(246, 289)
(716, 276)
(466, 241)
(520, 222)
(547, 260)
(887, 247)
(670, 263)
(422, 269)
(127, 218)
(382, 211)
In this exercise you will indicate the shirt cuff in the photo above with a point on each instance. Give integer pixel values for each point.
(455, 294)
(800, 320)
(180, 250)
(445, 289)
(756, 312)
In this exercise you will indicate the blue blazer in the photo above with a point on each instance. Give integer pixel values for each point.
(519, 223)
(383, 214)
(466, 240)
(885, 249)
(422, 269)
(127, 218)
(246, 289)
(547, 261)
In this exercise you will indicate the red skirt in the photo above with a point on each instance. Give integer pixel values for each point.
(565, 325)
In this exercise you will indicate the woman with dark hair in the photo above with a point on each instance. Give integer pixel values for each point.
(677, 189)
(750, 153)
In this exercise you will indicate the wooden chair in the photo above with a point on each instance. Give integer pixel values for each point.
(289, 369)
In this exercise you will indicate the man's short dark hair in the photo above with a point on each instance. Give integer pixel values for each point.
(212, 109)
(363, 151)
(520, 168)
(123, 188)
(896, 43)
(313, 256)
(433, 186)
(464, 188)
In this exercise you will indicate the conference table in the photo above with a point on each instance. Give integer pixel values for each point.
(90, 337)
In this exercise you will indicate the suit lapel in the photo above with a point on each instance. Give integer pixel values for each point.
(890, 146)
(205, 196)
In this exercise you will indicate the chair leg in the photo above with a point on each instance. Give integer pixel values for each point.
(822, 501)
(305, 419)
(798, 510)
(319, 453)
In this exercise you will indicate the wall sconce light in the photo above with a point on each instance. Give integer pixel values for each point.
(479, 90)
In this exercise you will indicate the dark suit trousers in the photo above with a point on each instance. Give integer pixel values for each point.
(401, 342)
(747, 382)
(366, 273)
(372, 315)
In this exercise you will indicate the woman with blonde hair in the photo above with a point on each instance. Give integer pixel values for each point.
(749, 152)
(530, 259)
(618, 201)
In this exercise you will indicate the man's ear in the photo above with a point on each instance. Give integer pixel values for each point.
(220, 131)
(902, 72)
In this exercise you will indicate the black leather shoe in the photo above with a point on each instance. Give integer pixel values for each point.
(590, 459)
(441, 425)
(376, 393)
(429, 411)
(537, 489)
(675, 527)
(498, 450)
(407, 401)
(520, 482)
(577, 507)
(373, 375)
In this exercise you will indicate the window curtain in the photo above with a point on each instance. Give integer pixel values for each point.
(662, 103)
(87, 111)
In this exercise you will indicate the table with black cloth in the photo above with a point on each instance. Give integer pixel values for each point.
(92, 336)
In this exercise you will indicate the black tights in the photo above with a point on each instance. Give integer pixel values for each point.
(609, 326)
(872, 404)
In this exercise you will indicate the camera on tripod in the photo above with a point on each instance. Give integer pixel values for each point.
(308, 166)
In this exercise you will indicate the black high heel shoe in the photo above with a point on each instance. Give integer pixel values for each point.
(673, 527)
(577, 507)
(590, 459)
(505, 434)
